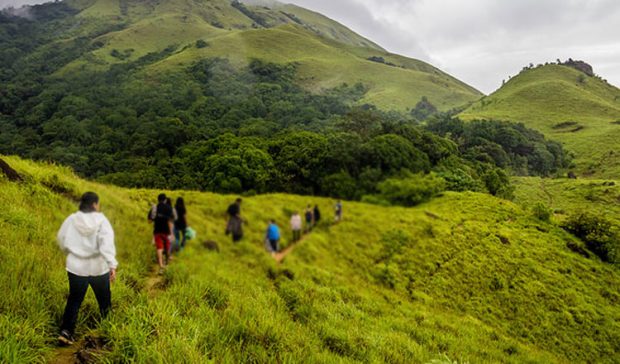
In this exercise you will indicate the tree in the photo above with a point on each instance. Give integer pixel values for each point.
(392, 153)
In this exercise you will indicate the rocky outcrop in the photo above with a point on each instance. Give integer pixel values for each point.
(580, 66)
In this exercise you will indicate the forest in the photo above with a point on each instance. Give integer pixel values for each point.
(218, 127)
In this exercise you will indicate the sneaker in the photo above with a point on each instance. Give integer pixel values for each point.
(161, 271)
(65, 338)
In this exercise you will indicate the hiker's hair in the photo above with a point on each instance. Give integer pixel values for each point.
(180, 203)
(168, 201)
(87, 202)
(238, 200)
(161, 197)
(273, 221)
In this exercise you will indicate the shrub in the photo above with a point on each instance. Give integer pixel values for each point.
(412, 190)
(541, 212)
(201, 44)
(597, 232)
(459, 180)
(498, 184)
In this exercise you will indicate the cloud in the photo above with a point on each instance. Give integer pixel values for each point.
(19, 3)
(367, 21)
(484, 41)
(480, 41)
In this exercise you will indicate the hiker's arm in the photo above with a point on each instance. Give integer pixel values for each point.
(106, 245)
(61, 235)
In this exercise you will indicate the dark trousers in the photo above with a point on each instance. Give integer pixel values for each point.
(179, 235)
(296, 235)
(77, 290)
(274, 245)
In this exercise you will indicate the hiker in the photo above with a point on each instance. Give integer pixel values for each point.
(309, 219)
(317, 214)
(162, 216)
(180, 224)
(338, 210)
(87, 238)
(235, 222)
(171, 238)
(273, 237)
(296, 226)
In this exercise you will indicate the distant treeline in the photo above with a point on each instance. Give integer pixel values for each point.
(251, 130)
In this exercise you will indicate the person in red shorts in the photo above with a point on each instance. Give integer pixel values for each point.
(162, 218)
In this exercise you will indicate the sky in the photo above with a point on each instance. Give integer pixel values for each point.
(482, 42)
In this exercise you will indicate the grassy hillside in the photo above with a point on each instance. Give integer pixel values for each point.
(566, 105)
(566, 196)
(466, 275)
(328, 53)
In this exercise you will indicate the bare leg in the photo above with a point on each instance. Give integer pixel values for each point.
(160, 257)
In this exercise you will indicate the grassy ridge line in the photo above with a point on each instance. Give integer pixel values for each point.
(329, 54)
(326, 64)
(545, 97)
(354, 291)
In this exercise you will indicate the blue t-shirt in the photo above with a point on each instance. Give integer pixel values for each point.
(273, 232)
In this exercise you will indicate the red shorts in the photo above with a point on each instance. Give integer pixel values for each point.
(162, 241)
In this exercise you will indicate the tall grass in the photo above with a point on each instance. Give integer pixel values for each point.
(466, 276)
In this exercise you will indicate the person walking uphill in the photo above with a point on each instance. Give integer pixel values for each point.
(273, 237)
(180, 224)
(317, 214)
(309, 214)
(296, 226)
(87, 238)
(338, 211)
(162, 217)
(235, 222)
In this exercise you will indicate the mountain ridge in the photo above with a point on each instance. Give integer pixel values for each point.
(567, 105)
(288, 34)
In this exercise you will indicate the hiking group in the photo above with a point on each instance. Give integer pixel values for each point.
(169, 226)
(86, 237)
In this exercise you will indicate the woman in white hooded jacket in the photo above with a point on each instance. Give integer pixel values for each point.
(87, 238)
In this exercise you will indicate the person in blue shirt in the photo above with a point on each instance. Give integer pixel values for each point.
(273, 237)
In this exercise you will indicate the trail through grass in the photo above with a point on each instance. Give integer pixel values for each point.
(467, 275)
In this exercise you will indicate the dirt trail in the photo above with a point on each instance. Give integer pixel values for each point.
(543, 187)
(155, 282)
(288, 250)
(70, 354)
(67, 354)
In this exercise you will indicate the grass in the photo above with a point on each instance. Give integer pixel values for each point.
(567, 196)
(551, 98)
(467, 277)
(328, 53)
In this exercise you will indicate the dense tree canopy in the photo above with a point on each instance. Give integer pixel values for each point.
(218, 127)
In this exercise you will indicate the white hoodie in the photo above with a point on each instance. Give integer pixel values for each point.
(296, 222)
(88, 241)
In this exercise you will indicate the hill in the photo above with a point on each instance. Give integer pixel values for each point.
(567, 105)
(328, 53)
(467, 275)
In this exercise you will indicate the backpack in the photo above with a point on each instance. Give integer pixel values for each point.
(152, 214)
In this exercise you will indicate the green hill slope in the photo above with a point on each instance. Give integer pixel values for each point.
(466, 275)
(328, 53)
(566, 105)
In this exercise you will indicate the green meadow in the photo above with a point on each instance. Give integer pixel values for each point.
(580, 111)
(466, 277)
(566, 196)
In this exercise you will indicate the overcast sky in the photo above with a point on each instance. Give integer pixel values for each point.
(483, 41)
